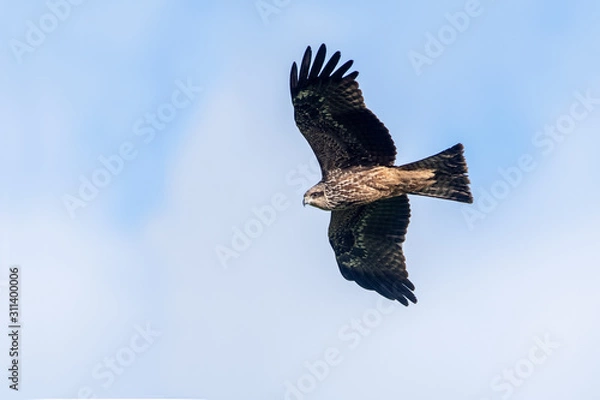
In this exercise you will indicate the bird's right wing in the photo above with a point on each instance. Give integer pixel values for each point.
(330, 112)
(367, 241)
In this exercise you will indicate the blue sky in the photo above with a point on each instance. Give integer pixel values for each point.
(126, 293)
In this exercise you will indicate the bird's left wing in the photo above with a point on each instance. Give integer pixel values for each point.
(330, 111)
(367, 241)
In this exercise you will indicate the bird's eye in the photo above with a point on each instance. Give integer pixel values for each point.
(316, 194)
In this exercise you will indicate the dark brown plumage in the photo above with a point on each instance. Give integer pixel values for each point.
(360, 184)
(367, 242)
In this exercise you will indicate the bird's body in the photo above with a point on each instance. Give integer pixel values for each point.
(365, 192)
(357, 186)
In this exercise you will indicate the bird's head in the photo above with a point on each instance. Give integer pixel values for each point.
(315, 196)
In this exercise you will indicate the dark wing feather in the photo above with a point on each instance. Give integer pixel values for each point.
(367, 241)
(330, 111)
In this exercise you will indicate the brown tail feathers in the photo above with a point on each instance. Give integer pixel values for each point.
(451, 180)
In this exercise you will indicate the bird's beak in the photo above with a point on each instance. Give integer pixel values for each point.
(303, 202)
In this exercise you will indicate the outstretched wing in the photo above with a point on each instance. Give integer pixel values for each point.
(367, 241)
(331, 114)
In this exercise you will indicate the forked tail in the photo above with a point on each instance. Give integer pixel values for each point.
(451, 180)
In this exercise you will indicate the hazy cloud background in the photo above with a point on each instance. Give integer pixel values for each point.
(143, 251)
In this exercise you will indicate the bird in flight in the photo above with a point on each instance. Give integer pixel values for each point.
(365, 192)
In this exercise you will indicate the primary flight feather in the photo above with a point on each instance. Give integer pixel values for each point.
(365, 192)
